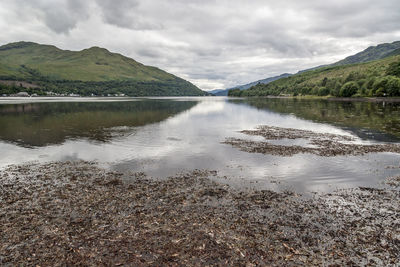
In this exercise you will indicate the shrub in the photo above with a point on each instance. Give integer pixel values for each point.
(354, 76)
(394, 69)
(336, 90)
(315, 90)
(324, 81)
(380, 92)
(349, 89)
(234, 92)
(370, 83)
(380, 83)
(323, 91)
(393, 86)
(361, 82)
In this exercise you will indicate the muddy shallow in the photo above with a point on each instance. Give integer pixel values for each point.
(321, 144)
(71, 213)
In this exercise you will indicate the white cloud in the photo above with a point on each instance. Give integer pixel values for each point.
(212, 43)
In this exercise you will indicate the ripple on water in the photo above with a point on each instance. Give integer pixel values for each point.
(166, 136)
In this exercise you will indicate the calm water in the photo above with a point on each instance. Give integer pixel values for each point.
(166, 136)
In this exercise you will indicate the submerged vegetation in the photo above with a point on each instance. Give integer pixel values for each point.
(75, 213)
(378, 78)
(321, 144)
(380, 118)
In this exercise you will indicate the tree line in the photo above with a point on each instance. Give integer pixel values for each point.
(373, 82)
(129, 88)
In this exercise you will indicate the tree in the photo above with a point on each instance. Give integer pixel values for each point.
(324, 81)
(323, 91)
(393, 86)
(394, 69)
(234, 92)
(349, 89)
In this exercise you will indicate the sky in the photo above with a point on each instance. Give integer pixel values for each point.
(213, 44)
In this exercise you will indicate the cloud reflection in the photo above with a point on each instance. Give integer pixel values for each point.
(192, 140)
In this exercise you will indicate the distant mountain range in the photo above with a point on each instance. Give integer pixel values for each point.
(215, 91)
(376, 75)
(370, 54)
(90, 71)
(224, 92)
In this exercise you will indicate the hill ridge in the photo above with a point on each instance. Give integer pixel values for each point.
(371, 53)
(49, 65)
(376, 78)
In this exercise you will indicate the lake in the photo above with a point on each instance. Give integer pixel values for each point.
(166, 136)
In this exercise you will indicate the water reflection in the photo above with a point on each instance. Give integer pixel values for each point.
(163, 137)
(379, 121)
(43, 124)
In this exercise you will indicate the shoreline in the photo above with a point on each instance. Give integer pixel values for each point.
(329, 98)
(71, 213)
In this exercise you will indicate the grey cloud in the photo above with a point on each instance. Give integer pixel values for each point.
(210, 74)
(125, 14)
(59, 16)
(212, 43)
(354, 18)
(148, 52)
(59, 21)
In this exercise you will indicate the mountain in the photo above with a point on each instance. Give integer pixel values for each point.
(247, 86)
(90, 70)
(371, 53)
(223, 92)
(394, 53)
(375, 78)
(216, 91)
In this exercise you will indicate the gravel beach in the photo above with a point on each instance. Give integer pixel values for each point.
(76, 213)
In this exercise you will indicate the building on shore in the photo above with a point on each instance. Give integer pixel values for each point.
(21, 94)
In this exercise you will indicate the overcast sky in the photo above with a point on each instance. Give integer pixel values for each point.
(212, 43)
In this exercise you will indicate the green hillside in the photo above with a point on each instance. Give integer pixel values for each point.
(93, 70)
(371, 53)
(394, 52)
(375, 78)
